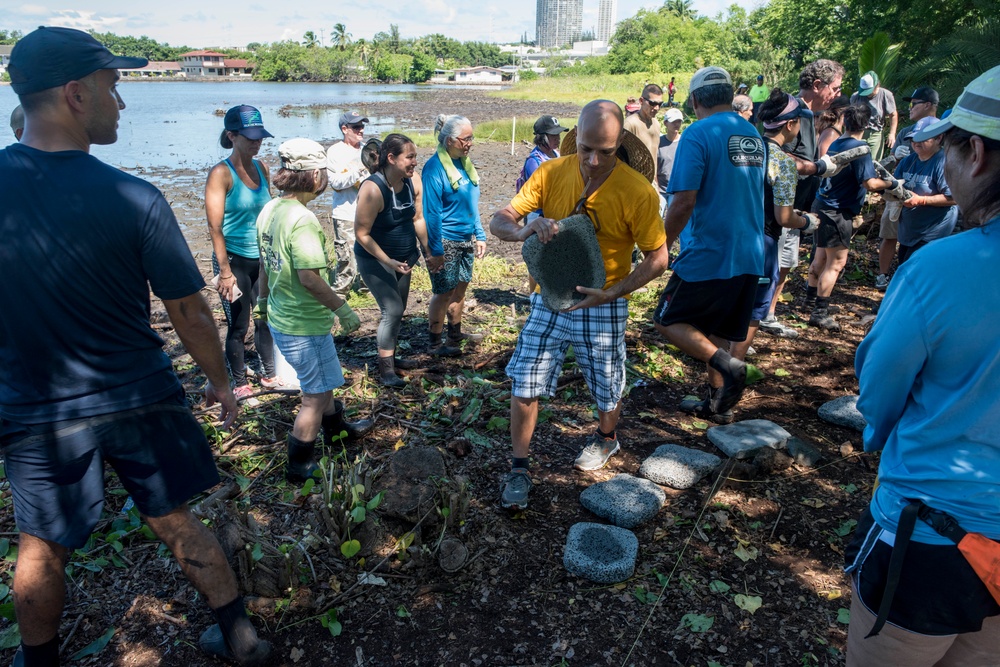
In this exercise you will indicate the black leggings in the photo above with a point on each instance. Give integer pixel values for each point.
(391, 291)
(247, 271)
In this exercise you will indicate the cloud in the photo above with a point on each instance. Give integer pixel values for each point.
(33, 10)
(197, 17)
(83, 20)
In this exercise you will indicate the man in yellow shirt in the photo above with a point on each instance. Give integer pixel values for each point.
(758, 95)
(624, 207)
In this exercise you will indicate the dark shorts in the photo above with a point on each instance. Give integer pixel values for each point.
(765, 290)
(906, 251)
(835, 227)
(56, 470)
(458, 259)
(714, 307)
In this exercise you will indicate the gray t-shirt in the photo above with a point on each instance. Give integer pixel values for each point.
(882, 104)
(665, 162)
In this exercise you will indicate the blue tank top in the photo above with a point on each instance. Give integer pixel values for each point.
(243, 204)
(393, 229)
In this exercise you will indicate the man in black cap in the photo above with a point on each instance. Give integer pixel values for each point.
(85, 377)
(346, 173)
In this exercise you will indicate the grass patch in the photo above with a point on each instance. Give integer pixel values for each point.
(499, 130)
(419, 139)
(583, 88)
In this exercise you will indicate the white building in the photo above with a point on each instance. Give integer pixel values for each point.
(5, 50)
(607, 17)
(558, 22)
(479, 75)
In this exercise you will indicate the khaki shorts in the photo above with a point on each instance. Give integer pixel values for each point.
(888, 228)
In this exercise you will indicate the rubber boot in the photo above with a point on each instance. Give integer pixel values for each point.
(387, 372)
(300, 465)
(402, 363)
(456, 336)
(440, 349)
(335, 424)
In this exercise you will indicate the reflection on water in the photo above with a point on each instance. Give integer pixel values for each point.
(174, 124)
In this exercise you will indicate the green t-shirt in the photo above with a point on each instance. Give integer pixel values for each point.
(290, 239)
(759, 93)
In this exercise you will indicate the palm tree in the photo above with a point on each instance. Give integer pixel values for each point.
(341, 38)
(309, 39)
(394, 38)
(363, 50)
(956, 60)
(682, 8)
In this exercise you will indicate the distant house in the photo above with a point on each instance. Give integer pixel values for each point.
(154, 69)
(237, 67)
(479, 75)
(214, 64)
(5, 50)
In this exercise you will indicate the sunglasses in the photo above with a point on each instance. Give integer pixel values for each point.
(917, 103)
(357, 127)
(652, 103)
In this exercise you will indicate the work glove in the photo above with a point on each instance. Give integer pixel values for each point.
(349, 320)
(260, 310)
(812, 223)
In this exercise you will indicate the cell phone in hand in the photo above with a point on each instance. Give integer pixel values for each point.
(234, 295)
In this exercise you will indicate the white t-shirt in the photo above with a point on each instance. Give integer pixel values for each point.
(344, 168)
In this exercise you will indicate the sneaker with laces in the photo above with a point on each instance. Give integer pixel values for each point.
(243, 392)
(772, 326)
(881, 282)
(514, 489)
(596, 454)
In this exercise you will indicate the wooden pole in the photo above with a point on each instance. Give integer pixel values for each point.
(513, 126)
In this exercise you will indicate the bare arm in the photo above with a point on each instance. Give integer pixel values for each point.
(434, 264)
(929, 200)
(890, 141)
(195, 326)
(786, 216)
(220, 181)
(506, 226)
(319, 288)
(876, 185)
(679, 214)
(370, 204)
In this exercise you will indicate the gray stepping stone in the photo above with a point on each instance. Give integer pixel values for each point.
(804, 453)
(571, 258)
(739, 440)
(603, 554)
(678, 467)
(843, 411)
(624, 500)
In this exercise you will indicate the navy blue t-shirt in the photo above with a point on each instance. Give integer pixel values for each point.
(926, 178)
(83, 243)
(846, 190)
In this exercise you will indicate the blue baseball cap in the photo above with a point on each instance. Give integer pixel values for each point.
(246, 120)
(52, 57)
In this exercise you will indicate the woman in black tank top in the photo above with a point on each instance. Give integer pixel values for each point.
(388, 225)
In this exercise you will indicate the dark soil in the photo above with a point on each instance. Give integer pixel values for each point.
(778, 535)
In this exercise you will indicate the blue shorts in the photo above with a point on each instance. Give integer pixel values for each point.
(598, 338)
(458, 259)
(56, 470)
(314, 359)
(765, 290)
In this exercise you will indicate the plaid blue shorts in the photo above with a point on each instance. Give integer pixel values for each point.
(598, 338)
(458, 259)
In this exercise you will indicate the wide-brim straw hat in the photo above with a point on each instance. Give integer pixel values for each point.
(632, 152)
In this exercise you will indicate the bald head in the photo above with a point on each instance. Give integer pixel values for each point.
(598, 135)
(601, 112)
(17, 121)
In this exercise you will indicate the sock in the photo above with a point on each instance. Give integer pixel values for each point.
(720, 361)
(519, 463)
(606, 436)
(822, 302)
(240, 636)
(43, 655)
(811, 293)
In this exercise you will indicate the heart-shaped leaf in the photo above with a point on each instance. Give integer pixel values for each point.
(350, 548)
(750, 603)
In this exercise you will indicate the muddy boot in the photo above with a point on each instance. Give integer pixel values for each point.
(335, 424)
(300, 465)
(455, 335)
(822, 318)
(405, 364)
(441, 349)
(387, 373)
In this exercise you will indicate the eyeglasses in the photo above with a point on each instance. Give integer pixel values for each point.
(653, 104)
(465, 141)
(917, 103)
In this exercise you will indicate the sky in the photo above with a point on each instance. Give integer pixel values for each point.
(197, 23)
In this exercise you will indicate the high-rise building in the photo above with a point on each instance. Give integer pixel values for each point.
(558, 22)
(607, 17)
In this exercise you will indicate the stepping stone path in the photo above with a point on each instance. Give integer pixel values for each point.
(739, 440)
(678, 467)
(624, 500)
(600, 553)
(803, 453)
(843, 411)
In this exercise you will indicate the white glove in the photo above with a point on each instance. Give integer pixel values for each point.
(812, 223)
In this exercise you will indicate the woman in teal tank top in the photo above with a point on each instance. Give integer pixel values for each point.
(236, 191)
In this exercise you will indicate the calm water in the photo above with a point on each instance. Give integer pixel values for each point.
(173, 124)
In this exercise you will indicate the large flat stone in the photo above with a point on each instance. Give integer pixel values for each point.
(624, 500)
(678, 467)
(571, 258)
(603, 554)
(804, 453)
(739, 440)
(843, 411)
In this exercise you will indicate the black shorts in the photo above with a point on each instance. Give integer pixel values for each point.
(56, 470)
(718, 307)
(835, 227)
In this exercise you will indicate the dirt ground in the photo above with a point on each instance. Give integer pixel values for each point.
(743, 569)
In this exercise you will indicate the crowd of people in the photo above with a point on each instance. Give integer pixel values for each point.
(88, 381)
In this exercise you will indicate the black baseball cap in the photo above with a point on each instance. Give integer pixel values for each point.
(549, 125)
(924, 94)
(52, 57)
(246, 120)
